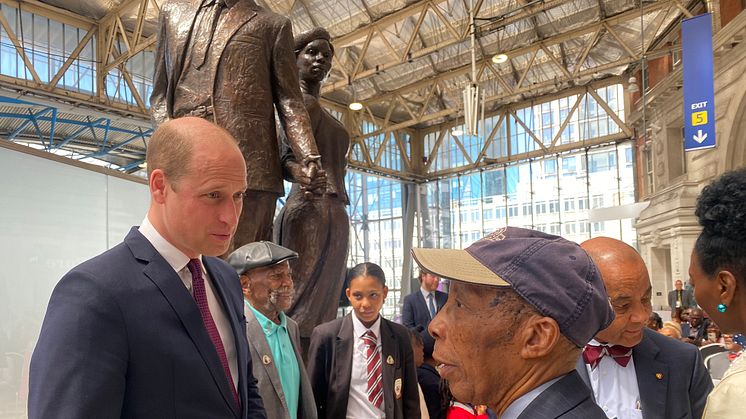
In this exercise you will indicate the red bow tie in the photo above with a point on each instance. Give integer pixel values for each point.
(592, 354)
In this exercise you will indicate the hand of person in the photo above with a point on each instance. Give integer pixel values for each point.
(310, 177)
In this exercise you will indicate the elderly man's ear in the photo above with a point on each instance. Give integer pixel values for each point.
(539, 335)
(245, 285)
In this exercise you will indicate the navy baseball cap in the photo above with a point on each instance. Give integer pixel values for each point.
(259, 254)
(554, 275)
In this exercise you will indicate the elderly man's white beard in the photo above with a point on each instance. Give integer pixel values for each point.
(273, 295)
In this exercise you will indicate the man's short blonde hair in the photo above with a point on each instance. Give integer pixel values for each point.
(169, 150)
(171, 145)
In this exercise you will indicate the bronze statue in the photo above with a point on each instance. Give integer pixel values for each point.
(316, 225)
(230, 61)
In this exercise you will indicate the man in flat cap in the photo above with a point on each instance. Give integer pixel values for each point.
(521, 305)
(633, 371)
(274, 341)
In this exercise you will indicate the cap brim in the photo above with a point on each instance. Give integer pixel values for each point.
(458, 265)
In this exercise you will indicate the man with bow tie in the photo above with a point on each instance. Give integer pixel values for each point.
(635, 372)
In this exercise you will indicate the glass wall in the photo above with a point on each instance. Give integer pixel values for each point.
(553, 194)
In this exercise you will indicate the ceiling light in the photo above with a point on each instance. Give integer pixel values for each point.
(143, 165)
(499, 58)
(457, 132)
(356, 106)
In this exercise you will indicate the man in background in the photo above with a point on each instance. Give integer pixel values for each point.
(420, 307)
(680, 297)
(632, 370)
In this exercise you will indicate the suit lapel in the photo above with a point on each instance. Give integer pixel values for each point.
(583, 373)
(236, 17)
(652, 378)
(342, 370)
(170, 285)
(389, 350)
(180, 35)
(259, 343)
(558, 399)
(423, 306)
(441, 299)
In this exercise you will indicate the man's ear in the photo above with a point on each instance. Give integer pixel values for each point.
(538, 335)
(158, 185)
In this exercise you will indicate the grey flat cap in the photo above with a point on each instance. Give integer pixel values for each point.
(259, 254)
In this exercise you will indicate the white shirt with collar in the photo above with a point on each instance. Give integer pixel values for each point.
(425, 294)
(615, 387)
(358, 405)
(178, 261)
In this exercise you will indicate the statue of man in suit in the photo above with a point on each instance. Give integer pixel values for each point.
(232, 62)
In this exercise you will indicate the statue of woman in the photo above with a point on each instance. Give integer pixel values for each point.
(316, 225)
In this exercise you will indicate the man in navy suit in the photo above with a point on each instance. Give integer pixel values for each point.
(420, 307)
(634, 371)
(154, 327)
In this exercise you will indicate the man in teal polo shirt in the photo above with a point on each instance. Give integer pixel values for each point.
(274, 341)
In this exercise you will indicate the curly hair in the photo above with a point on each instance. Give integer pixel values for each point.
(721, 210)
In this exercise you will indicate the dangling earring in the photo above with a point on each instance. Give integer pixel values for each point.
(722, 308)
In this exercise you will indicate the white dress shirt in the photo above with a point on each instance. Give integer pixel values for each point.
(358, 405)
(178, 262)
(615, 387)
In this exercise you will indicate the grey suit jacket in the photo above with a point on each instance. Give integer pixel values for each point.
(671, 376)
(687, 299)
(568, 398)
(269, 384)
(330, 369)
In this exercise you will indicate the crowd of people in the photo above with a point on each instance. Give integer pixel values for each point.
(532, 326)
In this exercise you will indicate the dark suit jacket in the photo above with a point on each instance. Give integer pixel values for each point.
(268, 379)
(330, 369)
(683, 386)
(415, 312)
(254, 71)
(568, 398)
(429, 380)
(123, 338)
(687, 299)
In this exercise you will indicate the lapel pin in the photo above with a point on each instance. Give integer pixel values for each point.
(390, 360)
(659, 375)
(397, 388)
(266, 360)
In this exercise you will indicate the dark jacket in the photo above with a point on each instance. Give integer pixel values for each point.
(123, 338)
(330, 369)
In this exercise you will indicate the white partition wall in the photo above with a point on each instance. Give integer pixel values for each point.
(53, 216)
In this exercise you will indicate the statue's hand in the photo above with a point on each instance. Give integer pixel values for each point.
(310, 177)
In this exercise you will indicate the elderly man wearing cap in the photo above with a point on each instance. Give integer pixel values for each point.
(274, 340)
(635, 372)
(521, 305)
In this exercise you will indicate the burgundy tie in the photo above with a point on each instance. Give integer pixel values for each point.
(592, 354)
(200, 297)
(375, 376)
